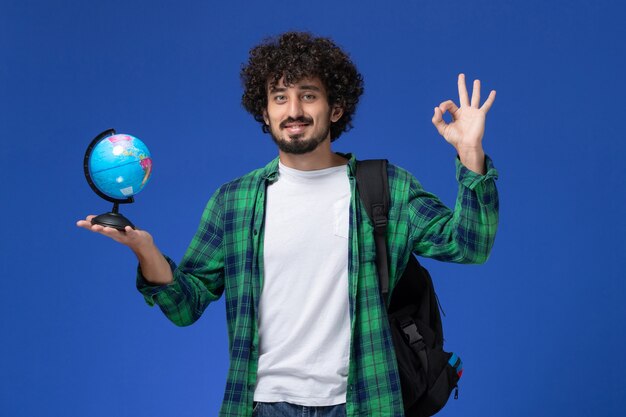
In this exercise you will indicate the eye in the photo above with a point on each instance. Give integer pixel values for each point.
(308, 97)
(279, 98)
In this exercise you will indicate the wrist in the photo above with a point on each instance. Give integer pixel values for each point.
(473, 159)
(154, 267)
(145, 251)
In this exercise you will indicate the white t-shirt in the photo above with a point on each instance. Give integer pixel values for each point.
(304, 319)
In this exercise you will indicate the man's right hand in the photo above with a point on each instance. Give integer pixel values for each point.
(154, 266)
(133, 238)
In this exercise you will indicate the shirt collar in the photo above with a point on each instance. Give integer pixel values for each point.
(270, 171)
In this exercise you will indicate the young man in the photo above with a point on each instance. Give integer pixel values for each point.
(292, 249)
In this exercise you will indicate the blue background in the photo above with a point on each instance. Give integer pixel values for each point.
(540, 326)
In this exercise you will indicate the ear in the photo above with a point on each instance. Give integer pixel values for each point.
(336, 113)
(265, 117)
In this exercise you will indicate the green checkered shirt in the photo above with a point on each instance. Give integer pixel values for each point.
(226, 254)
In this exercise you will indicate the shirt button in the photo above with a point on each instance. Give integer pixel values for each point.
(255, 232)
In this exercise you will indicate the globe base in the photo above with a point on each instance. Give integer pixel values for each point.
(114, 220)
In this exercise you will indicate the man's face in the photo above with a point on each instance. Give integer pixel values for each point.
(299, 116)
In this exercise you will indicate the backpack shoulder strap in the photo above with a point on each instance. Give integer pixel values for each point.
(373, 188)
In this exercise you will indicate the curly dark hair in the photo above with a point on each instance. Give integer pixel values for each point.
(295, 56)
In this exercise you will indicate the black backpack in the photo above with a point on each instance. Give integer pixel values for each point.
(427, 373)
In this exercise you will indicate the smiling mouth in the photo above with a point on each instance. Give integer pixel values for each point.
(296, 125)
(295, 128)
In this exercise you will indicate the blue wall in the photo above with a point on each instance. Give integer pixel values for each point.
(539, 327)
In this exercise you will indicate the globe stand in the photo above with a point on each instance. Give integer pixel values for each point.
(113, 218)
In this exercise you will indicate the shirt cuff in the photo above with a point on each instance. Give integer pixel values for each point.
(471, 179)
(150, 291)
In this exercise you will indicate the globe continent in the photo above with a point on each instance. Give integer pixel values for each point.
(120, 166)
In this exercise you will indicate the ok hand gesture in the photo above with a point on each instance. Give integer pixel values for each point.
(467, 128)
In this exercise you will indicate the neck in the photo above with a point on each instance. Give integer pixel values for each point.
(322, 157)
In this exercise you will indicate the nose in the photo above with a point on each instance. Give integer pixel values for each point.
(295, 108)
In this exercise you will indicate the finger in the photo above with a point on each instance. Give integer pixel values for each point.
(86, 223)
(438, 121)
(88, 218)
(487, 105)
(450, 107)
(463, 98)
(131, 232)
(93, 227)
(113, 233)
(82, 223)
(105, 230)
(476, 94)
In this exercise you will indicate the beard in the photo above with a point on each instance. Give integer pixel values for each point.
(299, 144)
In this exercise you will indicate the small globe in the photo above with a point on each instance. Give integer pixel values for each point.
(120, 166)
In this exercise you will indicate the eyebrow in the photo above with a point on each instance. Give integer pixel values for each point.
(311, 87)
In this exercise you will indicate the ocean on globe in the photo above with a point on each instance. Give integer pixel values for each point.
(120, 166)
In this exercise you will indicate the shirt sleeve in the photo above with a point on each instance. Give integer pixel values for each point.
(199, 279)
(465, 235)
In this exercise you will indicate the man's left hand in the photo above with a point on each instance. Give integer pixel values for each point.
(467, 128)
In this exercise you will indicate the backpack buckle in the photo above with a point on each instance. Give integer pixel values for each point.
(416, 342)
(379, 215)
(380, 222)
(411, 334)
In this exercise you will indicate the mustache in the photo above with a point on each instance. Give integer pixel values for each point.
(301, 119)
